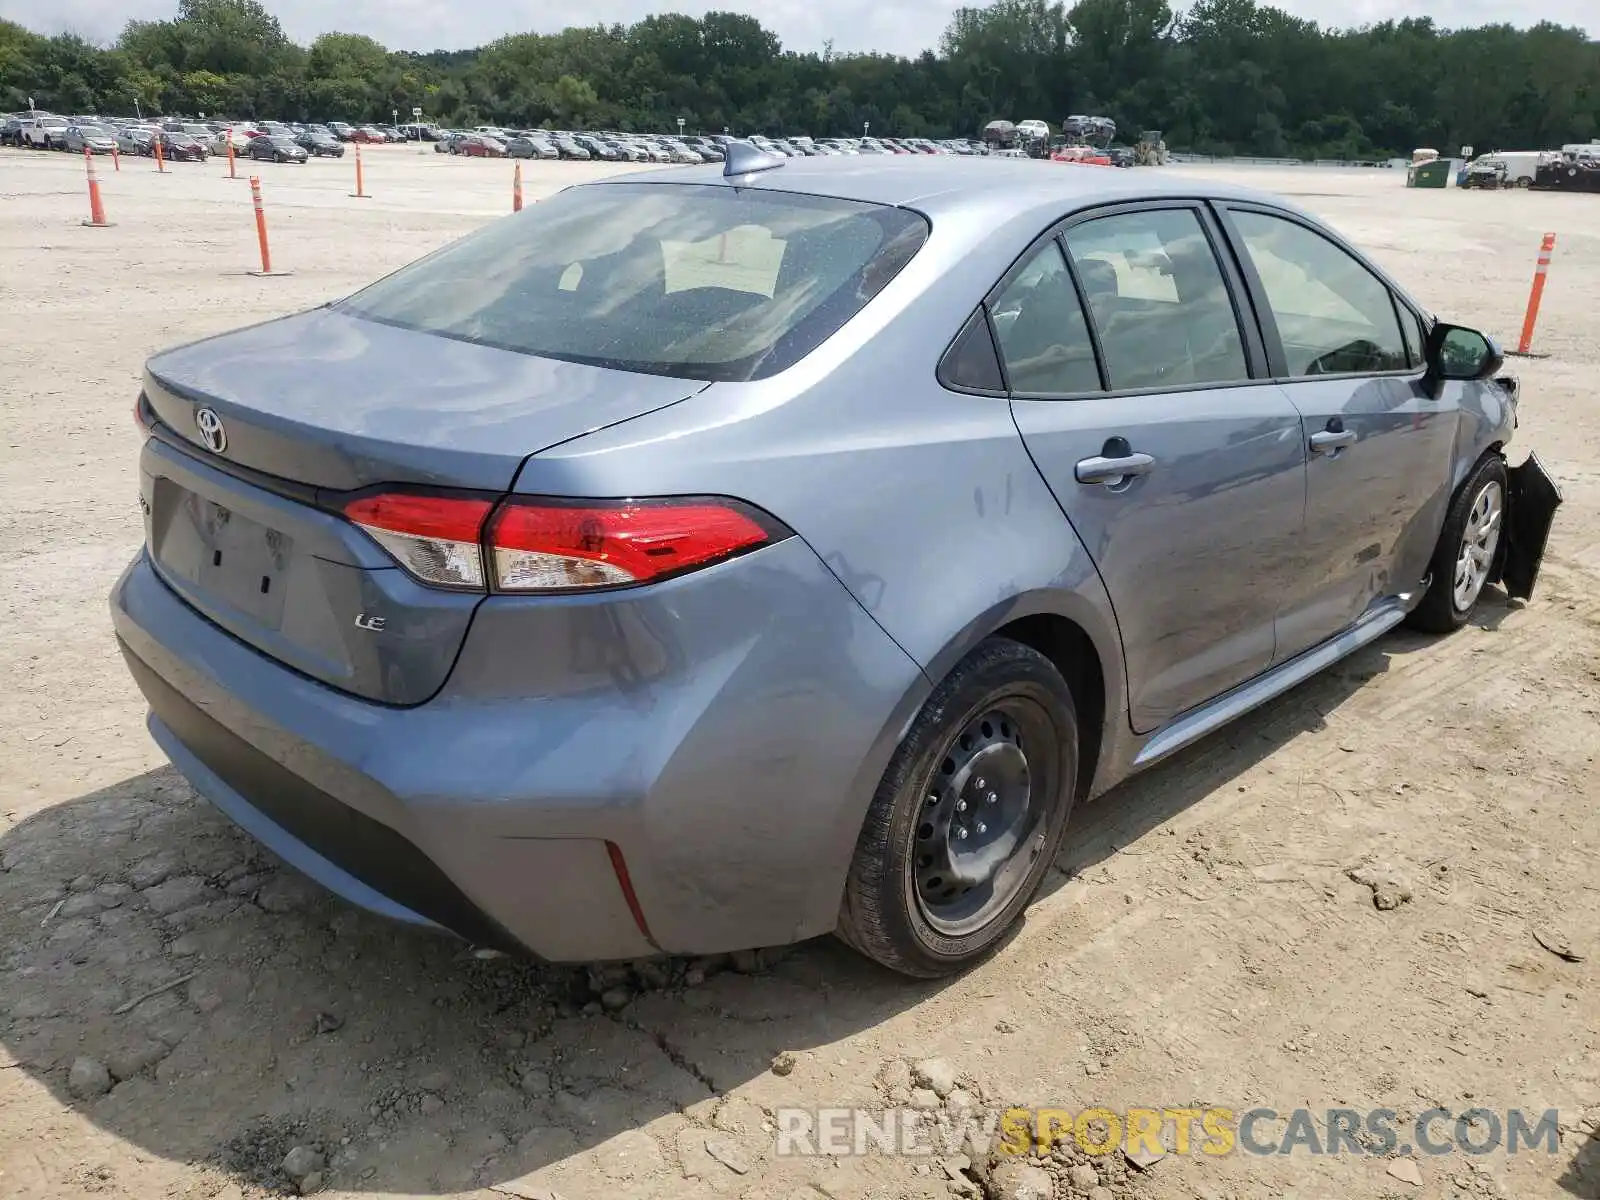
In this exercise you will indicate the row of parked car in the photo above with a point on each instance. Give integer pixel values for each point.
(492, 142)
(180, 141)
(296, 142)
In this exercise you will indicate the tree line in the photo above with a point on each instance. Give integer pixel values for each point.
(1223, 77)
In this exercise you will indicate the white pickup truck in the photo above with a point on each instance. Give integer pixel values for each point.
(45, 133)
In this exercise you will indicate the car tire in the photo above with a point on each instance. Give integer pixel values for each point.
(1466, 556)
(1005, 711)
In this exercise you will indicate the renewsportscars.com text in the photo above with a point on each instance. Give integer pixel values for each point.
(1214, 1131)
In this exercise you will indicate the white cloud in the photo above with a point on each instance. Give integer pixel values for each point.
(898, 26)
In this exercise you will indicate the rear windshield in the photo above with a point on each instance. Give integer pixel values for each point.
(706, 282)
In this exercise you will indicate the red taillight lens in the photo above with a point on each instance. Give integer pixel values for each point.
(436, 538)
(542, 546)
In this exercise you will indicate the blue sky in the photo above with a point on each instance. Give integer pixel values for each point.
(899, 26)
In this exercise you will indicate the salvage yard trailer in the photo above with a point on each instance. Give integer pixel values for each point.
(1569, 173)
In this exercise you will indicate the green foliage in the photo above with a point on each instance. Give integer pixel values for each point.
(1224, 76)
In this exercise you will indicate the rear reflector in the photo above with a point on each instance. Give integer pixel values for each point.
(625, 882)
(436, 538)
(543, 545)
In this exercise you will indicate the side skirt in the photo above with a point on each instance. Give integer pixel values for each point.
(1214, 714)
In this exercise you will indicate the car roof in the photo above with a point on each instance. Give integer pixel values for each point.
(939, 185)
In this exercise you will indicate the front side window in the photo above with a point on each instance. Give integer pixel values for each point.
(1334, 316)
(704, 282)
(1158, 299)
(1044, 339)
(1416, 335)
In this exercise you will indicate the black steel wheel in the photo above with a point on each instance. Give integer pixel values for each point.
(982, 820)
(968, 817)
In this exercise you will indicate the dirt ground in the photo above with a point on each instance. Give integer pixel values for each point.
(1202, 941)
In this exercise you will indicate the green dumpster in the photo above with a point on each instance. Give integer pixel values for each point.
(1435, 174)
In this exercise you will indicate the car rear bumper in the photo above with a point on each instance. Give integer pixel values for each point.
(719, 736)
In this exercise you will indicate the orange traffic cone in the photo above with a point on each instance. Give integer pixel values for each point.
(97, 211)
(261, 230)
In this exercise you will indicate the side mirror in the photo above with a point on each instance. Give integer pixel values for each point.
(1456, 352)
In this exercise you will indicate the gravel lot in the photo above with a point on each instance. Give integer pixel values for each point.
(1202, 941)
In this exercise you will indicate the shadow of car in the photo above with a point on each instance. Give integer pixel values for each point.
(239, 1010)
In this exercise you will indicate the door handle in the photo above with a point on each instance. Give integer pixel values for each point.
(1112, 471)
(1331, 441)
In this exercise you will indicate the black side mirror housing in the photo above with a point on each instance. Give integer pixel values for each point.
(1456, 352)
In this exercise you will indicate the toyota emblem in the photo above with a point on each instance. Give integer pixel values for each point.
(211, 431)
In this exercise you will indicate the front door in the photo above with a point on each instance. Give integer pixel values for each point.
(1183, 477)
(1379, 446)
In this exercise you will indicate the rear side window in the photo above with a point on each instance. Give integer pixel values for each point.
(1044, 339)
(1158, 299)
(970, 363)
(1334, 316)
(711, 282)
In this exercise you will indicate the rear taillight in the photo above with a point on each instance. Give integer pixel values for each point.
(554, 545)
(540, 545)
(436, 538)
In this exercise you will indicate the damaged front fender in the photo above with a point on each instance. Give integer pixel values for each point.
(1531, 504)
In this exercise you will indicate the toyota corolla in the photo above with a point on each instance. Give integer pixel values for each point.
(730, 556)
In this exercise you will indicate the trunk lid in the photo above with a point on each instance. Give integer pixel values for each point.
(337, 402)
(313, 407)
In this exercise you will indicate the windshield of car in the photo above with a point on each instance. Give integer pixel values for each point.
(705, 282)
(281, 141)
(92, 131)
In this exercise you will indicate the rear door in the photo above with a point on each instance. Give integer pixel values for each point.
(1179, 465)
(1348, 353)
